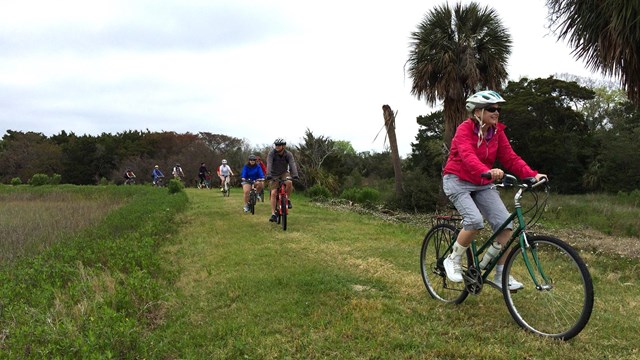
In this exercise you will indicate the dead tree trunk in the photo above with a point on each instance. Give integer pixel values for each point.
(390, 125)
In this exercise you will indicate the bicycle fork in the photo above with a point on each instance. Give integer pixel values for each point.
(526, 247)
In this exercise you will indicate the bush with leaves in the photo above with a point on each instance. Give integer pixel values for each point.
(55, 179)
(361, 195)
(175, 186)
(39, 179)
(318, 191)
(421, 193)
(16, 181)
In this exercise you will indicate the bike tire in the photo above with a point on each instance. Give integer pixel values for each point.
(563, 308)
(283, 212)
(432, 255)
(252, 202)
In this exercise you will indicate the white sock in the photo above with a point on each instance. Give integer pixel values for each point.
(499, 269)
(458, 249)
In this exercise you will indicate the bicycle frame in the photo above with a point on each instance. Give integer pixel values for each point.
(282, 192)
(519, 232)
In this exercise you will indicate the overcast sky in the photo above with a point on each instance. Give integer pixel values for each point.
(251, 69)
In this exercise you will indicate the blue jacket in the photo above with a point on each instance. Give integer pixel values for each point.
(252, 172)
(156, 174)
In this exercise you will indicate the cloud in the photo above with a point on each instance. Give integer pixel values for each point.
(245, 68)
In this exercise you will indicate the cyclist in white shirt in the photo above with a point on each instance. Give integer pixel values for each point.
(177, 172)
(224, 171)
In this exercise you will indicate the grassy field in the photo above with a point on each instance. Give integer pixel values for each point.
(209, 282)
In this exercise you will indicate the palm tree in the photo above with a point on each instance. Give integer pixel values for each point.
(605, 34)
(455, 52)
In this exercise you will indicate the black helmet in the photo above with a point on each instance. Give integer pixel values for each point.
(279, 142)
(252, 157)
(178, 165)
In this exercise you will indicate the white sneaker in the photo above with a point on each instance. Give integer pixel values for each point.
(246, 208)
(453, 268)
(513, 283)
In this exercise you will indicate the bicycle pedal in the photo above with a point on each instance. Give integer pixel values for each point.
(495, 286)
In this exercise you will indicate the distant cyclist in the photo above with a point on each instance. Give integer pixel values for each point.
(251, 172)
(157, 175)
(177, 172)
(262, 164)
(280, 165)
(224, 171)
(202, 174)
(129, 177)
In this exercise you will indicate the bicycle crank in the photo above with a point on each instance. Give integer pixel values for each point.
(473, 280)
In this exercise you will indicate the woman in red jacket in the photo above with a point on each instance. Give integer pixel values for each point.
(478, 142)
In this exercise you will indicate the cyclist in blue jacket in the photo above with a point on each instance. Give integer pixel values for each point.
(157, 175)
(251, 171)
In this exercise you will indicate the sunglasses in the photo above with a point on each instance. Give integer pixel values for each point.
(493, 109)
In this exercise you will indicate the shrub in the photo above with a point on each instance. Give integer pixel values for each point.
(103, 181)
(349, 194)
(367, 194)
(39, 179)
(16, 181)
(318, 191)
(361, 195)
(175, 186)
(56, 179)
(421, 193)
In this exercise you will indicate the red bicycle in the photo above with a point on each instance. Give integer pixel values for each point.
(282, 202)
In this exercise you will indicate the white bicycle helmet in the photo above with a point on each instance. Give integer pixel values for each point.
(482, 99)
(224, 162)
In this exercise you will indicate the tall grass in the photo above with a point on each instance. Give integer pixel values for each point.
(29, 223)
(96, 293)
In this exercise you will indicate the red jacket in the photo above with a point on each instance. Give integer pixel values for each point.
(467, 160)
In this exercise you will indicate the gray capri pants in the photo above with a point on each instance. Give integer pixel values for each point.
(475, 201)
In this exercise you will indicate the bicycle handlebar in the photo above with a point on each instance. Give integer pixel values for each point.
(510, 180)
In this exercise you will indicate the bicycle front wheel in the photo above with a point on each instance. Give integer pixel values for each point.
(283, 212)
(433, 253)
(561, 306)
(252, 202)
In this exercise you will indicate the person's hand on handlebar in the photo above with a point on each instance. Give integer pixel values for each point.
(496, 174)
(541, 176)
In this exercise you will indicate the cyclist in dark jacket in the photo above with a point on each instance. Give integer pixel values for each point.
(202, 173)
(280, 165)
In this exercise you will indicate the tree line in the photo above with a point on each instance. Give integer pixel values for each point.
(584, 137)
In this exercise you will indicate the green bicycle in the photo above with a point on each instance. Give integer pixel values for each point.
(557, 299)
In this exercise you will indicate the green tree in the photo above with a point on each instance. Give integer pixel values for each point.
(311, 154)
(605, 34)
(25, 154)
(453, 53)
(547, 130)
(427, 153)
(614, 167)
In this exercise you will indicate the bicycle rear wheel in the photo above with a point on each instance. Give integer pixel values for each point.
(433, 253)
(562, 306)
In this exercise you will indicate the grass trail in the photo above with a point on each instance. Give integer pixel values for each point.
(341, 285)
